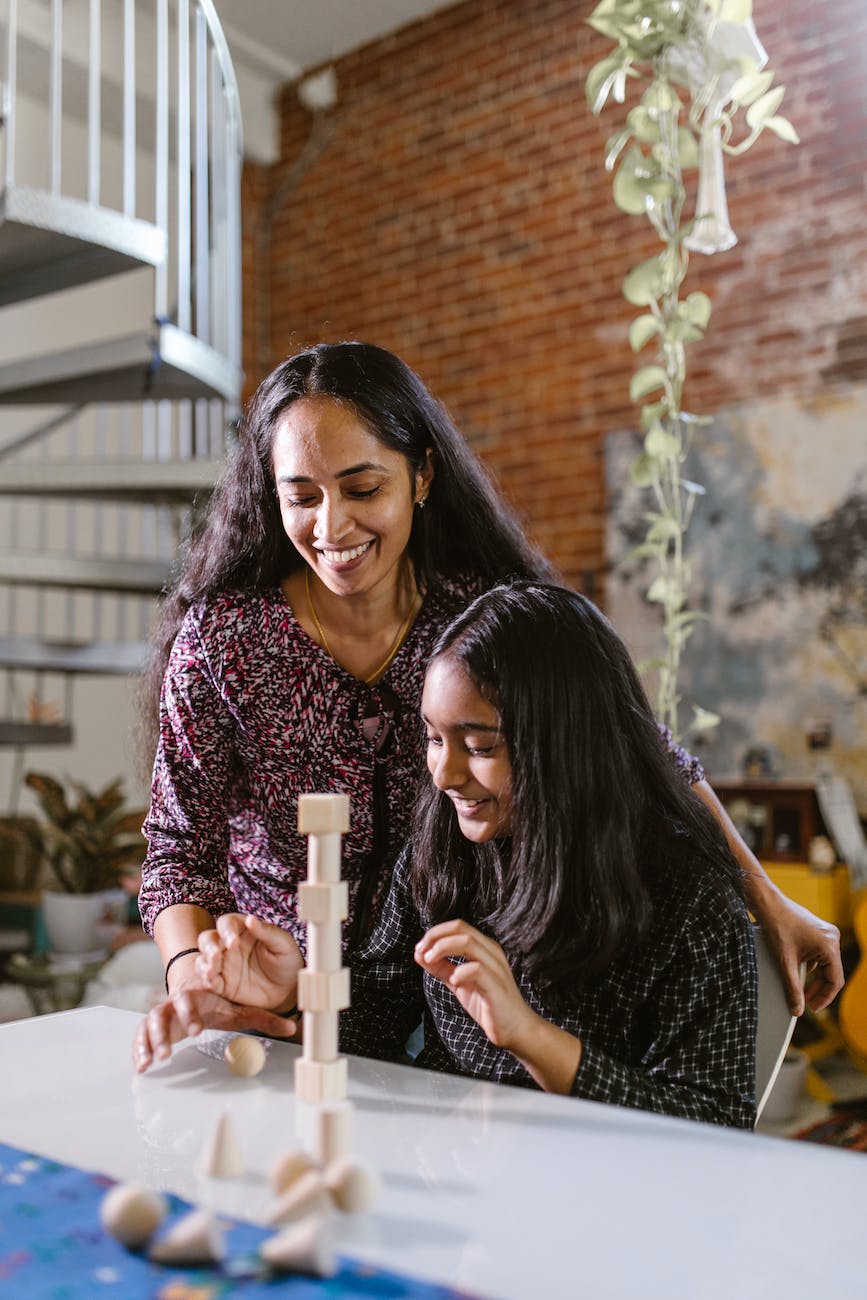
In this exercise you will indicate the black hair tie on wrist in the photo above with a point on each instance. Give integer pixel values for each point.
(185, 952)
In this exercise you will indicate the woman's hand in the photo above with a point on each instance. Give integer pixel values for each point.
(795, 936)
(249, 961)
(485, 987)
(187, 1013)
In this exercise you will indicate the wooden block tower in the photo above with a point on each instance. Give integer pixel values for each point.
(323, 985)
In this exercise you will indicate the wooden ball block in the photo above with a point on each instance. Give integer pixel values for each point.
(132, 1214)
(323, 814)
(353, 1186)
(333, 1132)
(318, 1081)
(321, 904)
(323, 990)
(244, 1056)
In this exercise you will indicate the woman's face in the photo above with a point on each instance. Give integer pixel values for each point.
(467, 756)
(346, 500)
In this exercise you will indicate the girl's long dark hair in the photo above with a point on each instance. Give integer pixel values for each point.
(597, 804)
(465, 530)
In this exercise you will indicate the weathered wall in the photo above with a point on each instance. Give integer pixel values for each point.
(456, 209)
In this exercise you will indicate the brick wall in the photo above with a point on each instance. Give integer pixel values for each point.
(456, 209)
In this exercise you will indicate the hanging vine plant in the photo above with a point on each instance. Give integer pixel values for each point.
(701, 65)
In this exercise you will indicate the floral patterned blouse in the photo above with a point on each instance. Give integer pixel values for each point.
(253, 713)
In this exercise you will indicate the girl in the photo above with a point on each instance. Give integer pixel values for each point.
(568, 913)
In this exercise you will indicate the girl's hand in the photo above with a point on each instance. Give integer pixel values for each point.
(482, 982)
(250, 962)
(186, 1014)
(796, 935)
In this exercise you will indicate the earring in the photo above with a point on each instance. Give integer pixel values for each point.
(421, 504)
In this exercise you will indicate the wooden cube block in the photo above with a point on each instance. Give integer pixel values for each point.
(318, 1081)
(323, 813)
(321, 990)
(323, 903)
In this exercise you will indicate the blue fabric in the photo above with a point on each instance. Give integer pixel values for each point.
(52, 1247)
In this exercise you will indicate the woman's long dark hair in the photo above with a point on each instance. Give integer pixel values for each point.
(597, 804)
(466, 528)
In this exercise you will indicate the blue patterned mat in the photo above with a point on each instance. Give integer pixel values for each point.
(52, 1247)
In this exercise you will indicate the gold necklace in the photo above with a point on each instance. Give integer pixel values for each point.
(396, 644)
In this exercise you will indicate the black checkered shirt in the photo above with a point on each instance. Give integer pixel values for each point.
(668, 1028)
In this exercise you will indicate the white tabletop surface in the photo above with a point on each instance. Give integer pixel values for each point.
(499, 1191)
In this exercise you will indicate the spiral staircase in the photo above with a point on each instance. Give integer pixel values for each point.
(120, 248)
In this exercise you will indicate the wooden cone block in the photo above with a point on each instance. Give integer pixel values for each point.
(333, 1132)
(306, 1195)
(222, 1157)
(324, 949)
(320, 1036)
(306, 1247)
(195, 1239)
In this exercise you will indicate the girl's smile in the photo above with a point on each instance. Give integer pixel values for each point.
(467, 755)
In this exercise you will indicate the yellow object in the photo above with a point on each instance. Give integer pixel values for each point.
(825, 893)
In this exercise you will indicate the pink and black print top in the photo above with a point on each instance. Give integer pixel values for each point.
(253, 713)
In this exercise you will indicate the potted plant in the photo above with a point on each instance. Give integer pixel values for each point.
(87, 842)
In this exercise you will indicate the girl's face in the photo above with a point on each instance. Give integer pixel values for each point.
(467, 756)
(346, 500)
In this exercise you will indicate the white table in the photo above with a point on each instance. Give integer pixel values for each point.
(500, 1191)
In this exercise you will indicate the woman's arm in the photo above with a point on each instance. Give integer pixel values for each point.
(795, 935)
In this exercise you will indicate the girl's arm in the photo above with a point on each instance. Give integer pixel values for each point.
(477, 972)
(795, 935)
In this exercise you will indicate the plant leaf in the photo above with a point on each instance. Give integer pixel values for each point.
(644, 283)
(696, 308)
(736, 11)
(645, 381)
(643, 470)
(765, 107)
(782, 127)
(749, 87)
(661, 444)
(642, 330)
(630, 183)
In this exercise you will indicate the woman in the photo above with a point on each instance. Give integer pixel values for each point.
(352, 524)
(567, 913)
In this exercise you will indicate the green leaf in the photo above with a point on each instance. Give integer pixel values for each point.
(661, 445)
(688, 616)
(736, 11)
(650, 665)
(703, 719)
(696, 308)
(765, 107)
(682, 331)
(748, 88)
(643, 124)
(782, 127)
(663, 529)
(645, 381)
(687, 147)
(642, 330)
(630, 183)
(600, 80)
(644, 551)
(661, 590)
(644, 283)
(660, 188)
(643, 471)
(653, 412)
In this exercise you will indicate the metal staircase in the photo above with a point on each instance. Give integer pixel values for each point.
(121, 159)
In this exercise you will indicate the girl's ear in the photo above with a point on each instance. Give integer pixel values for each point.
(424, 478)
